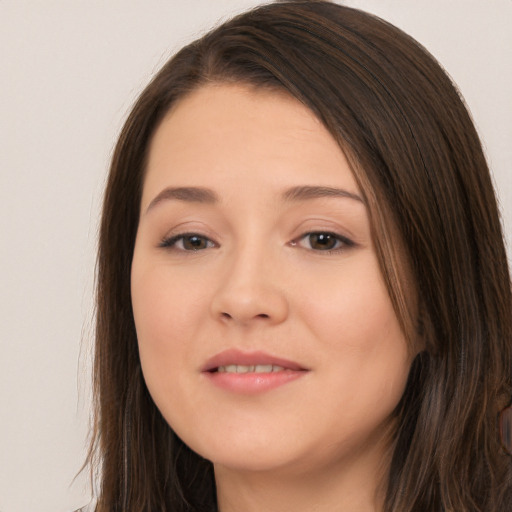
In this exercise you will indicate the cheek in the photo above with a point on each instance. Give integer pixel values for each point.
(350, 304)
(167, 312)
(159, 306)
(357, 328)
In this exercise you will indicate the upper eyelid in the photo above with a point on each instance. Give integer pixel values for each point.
(326, 232)
(174, 237)
(333, 226)
(342, 238)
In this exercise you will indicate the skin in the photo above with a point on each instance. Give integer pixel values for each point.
(260, 281)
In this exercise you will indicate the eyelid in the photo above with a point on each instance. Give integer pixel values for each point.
(343, 243)
(169, 241)
(346, 243)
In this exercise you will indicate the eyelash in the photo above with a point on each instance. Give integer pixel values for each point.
(171, 242)
(342, 243)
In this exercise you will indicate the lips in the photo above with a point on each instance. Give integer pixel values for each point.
(250, 372)
(248, 359)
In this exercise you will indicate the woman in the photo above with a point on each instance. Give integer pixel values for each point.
(303, 294)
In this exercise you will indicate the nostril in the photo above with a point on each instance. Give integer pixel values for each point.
(227, 316)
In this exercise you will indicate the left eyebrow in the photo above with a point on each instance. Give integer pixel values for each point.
(305, 192)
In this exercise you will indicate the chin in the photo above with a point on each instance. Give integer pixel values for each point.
(246, 455)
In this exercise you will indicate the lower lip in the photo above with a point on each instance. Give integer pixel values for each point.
(252, 383)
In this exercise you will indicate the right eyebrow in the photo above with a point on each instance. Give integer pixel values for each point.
(187, 194)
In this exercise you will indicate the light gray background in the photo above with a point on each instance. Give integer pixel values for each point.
(70, 70)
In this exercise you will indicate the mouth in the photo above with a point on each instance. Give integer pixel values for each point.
(237, 361)
(250, 372)
(241, 368)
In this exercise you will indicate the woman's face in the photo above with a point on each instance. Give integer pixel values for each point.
(266, 334)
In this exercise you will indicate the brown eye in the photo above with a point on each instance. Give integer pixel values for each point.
(188, 242)
(324, 241)
(194, 243)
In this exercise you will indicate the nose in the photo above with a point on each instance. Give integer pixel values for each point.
(250, 292)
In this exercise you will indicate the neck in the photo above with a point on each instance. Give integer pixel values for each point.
(355, 485)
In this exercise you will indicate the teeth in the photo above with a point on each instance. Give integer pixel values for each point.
(263, 368)
(259, 368)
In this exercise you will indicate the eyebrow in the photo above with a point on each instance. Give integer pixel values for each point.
(208, 196)
(187, 194)
(303, 193)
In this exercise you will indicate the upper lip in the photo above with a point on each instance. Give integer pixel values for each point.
(239, 357)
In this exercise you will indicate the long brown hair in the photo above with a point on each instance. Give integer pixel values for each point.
(419, 162)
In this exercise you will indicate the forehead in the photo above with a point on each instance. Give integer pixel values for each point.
(222, 109)
(220, 133)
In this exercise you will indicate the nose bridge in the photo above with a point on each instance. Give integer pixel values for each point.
(250, 289)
